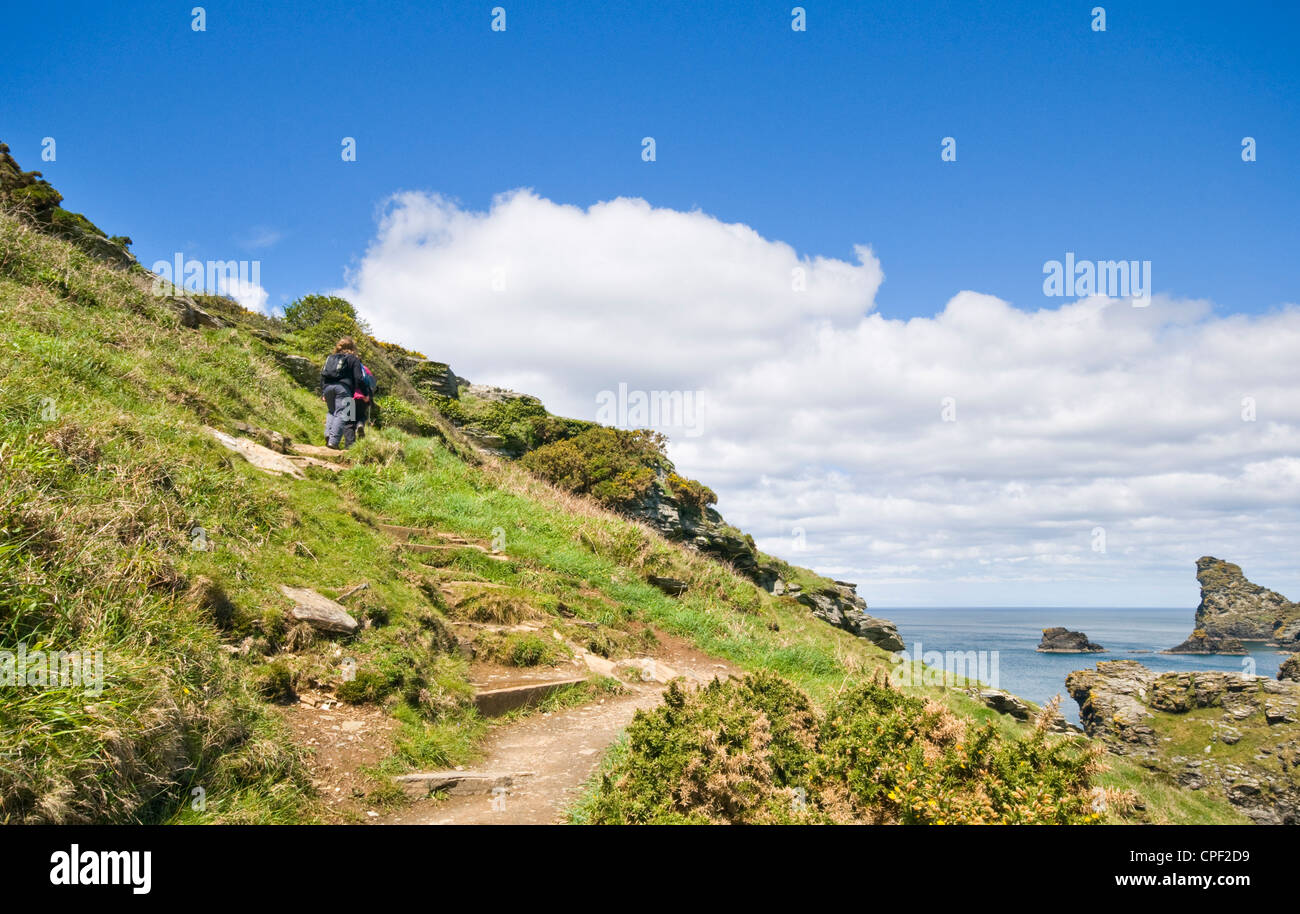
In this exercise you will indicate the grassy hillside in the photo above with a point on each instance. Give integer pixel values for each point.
(126, 527)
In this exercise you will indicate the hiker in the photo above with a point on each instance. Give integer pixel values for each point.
(339, 380)
(364, 397)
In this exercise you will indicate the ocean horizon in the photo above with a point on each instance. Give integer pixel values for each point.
(1127, 633)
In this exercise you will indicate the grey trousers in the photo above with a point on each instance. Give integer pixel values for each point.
(341, 421)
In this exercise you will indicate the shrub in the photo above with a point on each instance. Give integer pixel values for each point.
(755, 751)
(690, 492)
(615, 466)
(310, 310)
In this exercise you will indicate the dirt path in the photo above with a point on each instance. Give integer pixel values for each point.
(552, 755)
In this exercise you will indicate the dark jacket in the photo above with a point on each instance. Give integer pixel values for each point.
(350, 375)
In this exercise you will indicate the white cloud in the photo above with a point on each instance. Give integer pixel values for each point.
(248, 293)
(825, 416)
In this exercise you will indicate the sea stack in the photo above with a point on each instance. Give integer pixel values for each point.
(1233, 607)
(1063, 641)
(1233, 610)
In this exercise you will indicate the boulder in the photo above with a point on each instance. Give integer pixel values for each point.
(703, 529)
(318, 611)
(1063, 641)
(276, 441)
(1290, 668)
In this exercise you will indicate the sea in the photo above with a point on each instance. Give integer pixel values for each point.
(1014, 633)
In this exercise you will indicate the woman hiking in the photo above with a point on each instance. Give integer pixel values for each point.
(364, 396)
(341, 377)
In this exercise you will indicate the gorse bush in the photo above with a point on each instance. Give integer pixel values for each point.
(311, 310)
(690, 492)
(522, 421)
(757, 751)
(615, 466)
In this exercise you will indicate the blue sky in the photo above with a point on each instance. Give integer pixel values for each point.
(1122, 144)
(824, 436)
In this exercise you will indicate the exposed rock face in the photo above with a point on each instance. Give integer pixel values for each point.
(490, 442)
(1004, 703)
(431, 378)
(841, 606)
(1201, 642)
(1290, 668)
(304, 371)
(191, 315)
(1063, 641)
(704, 530)
(1228, 732)
(1232, 606)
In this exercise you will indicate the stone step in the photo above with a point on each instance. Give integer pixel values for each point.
(320, 453)
(456, 783)
(304, 460)
(495, 702)
(443, 548)
(403, 534)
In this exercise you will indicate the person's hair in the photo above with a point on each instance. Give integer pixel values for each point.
(346, 344)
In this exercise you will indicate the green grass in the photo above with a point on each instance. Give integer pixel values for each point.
(109, 485)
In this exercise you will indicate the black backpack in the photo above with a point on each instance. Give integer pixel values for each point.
(335, 370)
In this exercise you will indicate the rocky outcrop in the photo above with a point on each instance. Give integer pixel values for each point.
(671, 586)
(191, 315)
(1202, 642)
(433, 379)
(304, 371)
(701, 528)
(841, 606)
(1233, 607)
(1059, 640)
(1228, 732)
(31, 196)
(1110, 702)
(1290, 668)
(1004, 703)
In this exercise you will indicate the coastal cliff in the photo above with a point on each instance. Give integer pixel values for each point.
(1232, 734)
